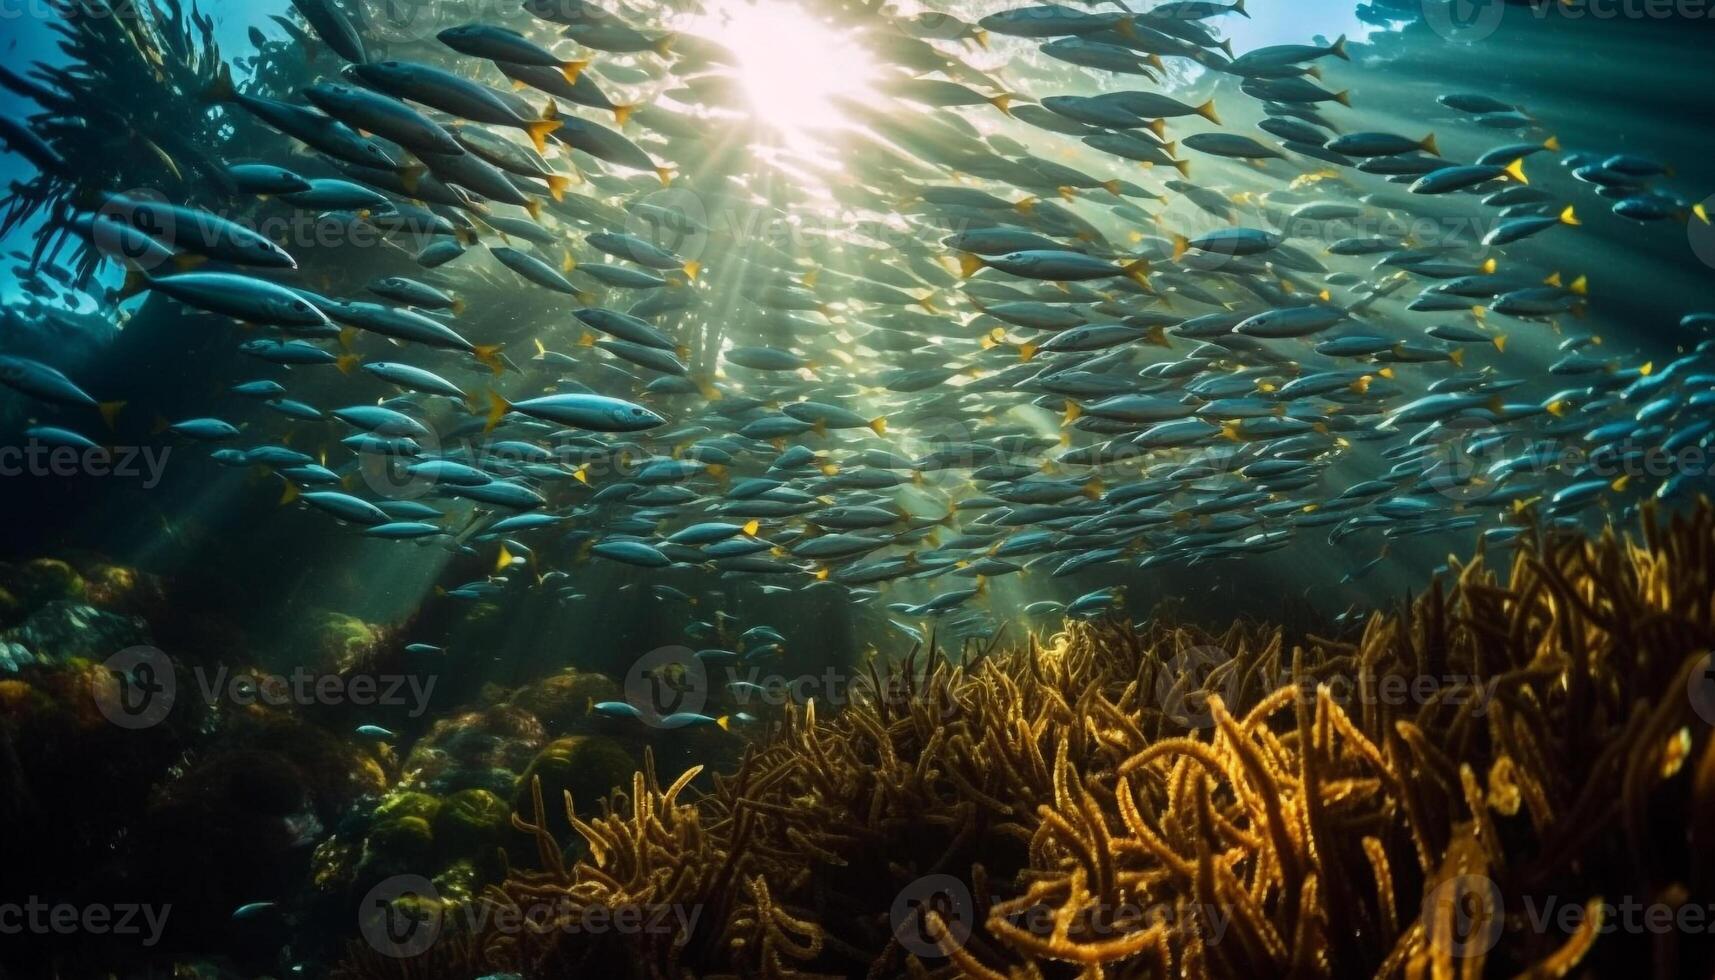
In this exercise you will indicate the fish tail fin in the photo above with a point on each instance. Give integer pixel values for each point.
(1580, 286)
(1207, 111)
(489, 354)
(135, 282)
(1427, 145)
(1457, 356)
(1515, 170)
(1338, 48)
(1183, 166)
(1024, 205)
(1093, 488)
(1344, 97)
(666, 175)
(981, 37)
(220, 90)
(878, 425)
(1702, 211)
(664, 44)
(969, 264)
(533, 207)
(692, 267)
(1026, 351)
(539, 130)
(288, 494)
(346, 362)
(1138, 272)
(1126, 28)
(582, 474)
(1239, 8)
(411, 176)
(1500, 343)
(1113, 187)
(1570, 217)
(752, 526)
(498, 406)
(1489, 266)
(1552, 143)
(1073, 411)
(572, 69)
(1003, 102)
(1181, 245)
(458, 306)
(557, 186)
(109, 411)
(622, 113)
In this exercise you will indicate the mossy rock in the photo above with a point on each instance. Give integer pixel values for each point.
(408, 804)
(342, 641)
(402, 844)
(471, 823)
(12, 608)
(110, 585)
(44, 580)
(588, 766)
(562, 702)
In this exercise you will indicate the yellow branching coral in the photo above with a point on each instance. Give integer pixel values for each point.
(1440, 796)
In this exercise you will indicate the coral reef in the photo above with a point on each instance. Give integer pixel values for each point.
(1169, 801)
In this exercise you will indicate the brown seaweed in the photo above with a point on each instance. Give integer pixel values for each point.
(1162, 801)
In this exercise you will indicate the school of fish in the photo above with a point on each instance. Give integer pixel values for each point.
(1197, 340)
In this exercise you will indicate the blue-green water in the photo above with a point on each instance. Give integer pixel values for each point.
(1178, 450)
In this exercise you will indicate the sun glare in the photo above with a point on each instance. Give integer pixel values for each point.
(791, 65)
